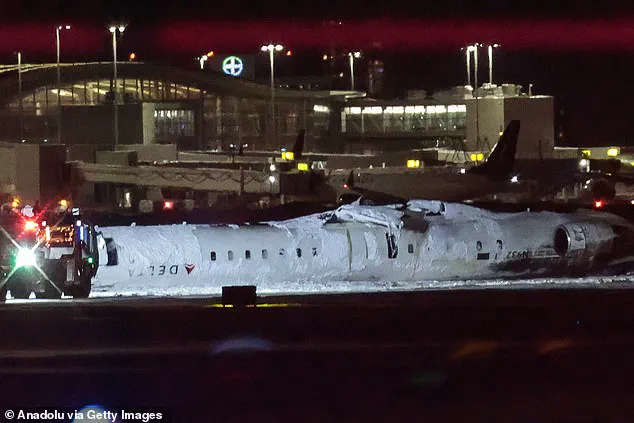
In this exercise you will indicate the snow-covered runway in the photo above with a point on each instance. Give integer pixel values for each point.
(183, 286)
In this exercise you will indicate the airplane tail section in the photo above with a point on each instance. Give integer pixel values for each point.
(298, 148)
(499, 164)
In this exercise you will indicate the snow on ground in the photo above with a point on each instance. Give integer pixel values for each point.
(183, 288)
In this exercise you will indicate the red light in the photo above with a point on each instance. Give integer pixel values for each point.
(30, 225)
(168, 205)
(132, 56)
(289, 53)
(598, 204)
(345, 186)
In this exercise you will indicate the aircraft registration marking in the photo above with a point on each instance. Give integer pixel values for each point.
(518, 254)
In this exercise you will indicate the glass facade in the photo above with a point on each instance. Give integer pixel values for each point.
(208, 120)
(403, 119)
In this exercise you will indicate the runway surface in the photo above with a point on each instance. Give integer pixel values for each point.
(556, 354)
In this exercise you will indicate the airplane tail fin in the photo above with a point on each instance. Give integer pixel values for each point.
(499, 164)
(298, 148)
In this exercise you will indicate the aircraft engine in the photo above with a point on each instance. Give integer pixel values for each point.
(583, 238)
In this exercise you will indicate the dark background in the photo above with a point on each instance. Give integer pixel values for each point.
(582, 53)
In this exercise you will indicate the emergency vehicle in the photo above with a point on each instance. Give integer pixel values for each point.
(50, 254)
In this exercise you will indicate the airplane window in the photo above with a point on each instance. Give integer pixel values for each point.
(113, 256)
(213, 256)
(265, 254)
(479, 246)
(247, 254)
(392, 248)
(230, 255)
(410, 248)
(282, 252)
(314, 251)
(299, 252)
(500, 244)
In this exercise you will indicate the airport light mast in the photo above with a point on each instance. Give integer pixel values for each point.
(113, 30)
(490, 51)
(473, 48)
(58, 29)
(272, 48)
(352, 56)
(19, 55)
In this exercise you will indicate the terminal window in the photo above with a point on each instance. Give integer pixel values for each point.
(171, 124)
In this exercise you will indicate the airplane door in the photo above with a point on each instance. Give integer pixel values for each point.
(357, 250)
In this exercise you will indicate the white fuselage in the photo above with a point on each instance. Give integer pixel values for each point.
(462, 243)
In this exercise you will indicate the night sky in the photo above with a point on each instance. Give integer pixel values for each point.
(582, 53)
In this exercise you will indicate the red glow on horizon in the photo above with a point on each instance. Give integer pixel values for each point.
(90, 42)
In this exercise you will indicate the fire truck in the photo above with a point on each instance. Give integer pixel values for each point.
(50, 254)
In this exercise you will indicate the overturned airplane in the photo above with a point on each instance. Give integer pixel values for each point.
(423, 240)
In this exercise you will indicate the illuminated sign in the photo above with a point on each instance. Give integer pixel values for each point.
(614, 151)
(233, 65)
(302, 167)
(288, 155)
(413, 163)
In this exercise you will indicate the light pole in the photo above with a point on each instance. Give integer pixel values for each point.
(473, 48)
(352, 56)
(490, 49)
(203, 59)
(19, 53)
(113, 30)
(59, 83)
(272, 48)
(468, 50)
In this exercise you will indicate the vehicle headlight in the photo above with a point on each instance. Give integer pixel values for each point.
(25, 257)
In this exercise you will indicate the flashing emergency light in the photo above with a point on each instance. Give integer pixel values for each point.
(30, 225)
(168, 205)
(413, 163)
(598, 204)
(25, 257)
(613, 151)
(302, 167)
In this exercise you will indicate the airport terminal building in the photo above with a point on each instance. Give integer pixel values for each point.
(203, 110)
(156, 105)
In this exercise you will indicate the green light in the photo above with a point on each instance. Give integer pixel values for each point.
(90, 260)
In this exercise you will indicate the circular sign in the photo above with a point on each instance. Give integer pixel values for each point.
(232, 65)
